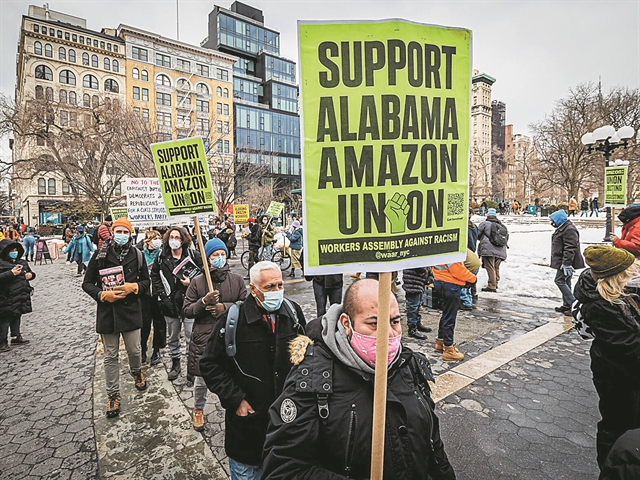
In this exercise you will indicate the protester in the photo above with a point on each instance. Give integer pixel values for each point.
(565, 256)
(228, 236)
(630, 237)
(119, 312)
(573, 206)
(584, 207)
(613, 320)
(104, 231)
(171, 288)
(267, 229)
(254, 239)
(326, 287)
(594, 207)
(29, 242)
(320, 426)
(492, 248)
(295, 246)
(414, 281)
(151, 314)
(205, 307)
(68, 236)
(249, 382)
(15, 292)
(80, 249)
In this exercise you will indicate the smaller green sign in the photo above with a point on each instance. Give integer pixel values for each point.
(615, 187)
(184, 177)
(118, 212)
(275, 209)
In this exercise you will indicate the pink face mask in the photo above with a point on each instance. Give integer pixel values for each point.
(365, 347)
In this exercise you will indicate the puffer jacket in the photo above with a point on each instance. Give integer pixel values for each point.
(485, 247)
(414, 280)
(630, 237)
(15, 290)
(295, 239)
(455, 273)
(231, 288)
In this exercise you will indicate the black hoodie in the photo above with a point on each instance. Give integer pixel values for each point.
(15, 291)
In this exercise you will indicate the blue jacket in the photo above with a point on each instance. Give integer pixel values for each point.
(295, 239)
(83, 243)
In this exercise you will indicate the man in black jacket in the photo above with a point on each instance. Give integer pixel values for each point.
(255, 242)
(326, 287)
(320, 426)
(248, 382)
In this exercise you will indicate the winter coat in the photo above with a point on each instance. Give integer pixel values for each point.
(584, 204)
(472, 236)
(104, 233)
(295, 239)
(623, 461)
(15, 290)
(485, 247)
(267, 234)
(414, 280)
(615, 350)
(255, 236)
(256, 374)
(171, 301)
(630, 237)
(122, 315)
(302, 445)
(78, 241)
(573, 204)
(565, 246)
(455, 273)
(68, 234)
(232, 289)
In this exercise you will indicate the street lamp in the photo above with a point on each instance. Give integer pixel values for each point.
(606, 139)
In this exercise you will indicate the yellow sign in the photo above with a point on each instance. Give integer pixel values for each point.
(275, 209)
(385, 117)
(240, 213)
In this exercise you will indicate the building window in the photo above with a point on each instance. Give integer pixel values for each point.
(145, 76)
(138, 53)
(115, 65)
(63, 96)
(72, 56)
(42, 186)
(51, 186)
(163, 99)
(135, 74)
(222, 74)
(81, 38)
(74, 38)
(145, 115)
(109, 46)
(73, 98)
(183, 64)
(89, 81)
(226, 109)
(65, 188)
(184, 121)
(73, 119)
(85, 59)
(202, 106)
(64, 118)
(67, 77)
(39, 92)
(66, 35)
(184, 84)
(111, 86)
(226, 146)
(102, 45)
(136, 93)
(202, 89)
(107, 64)
(62, 53)
(226, 127)
(184, 101)
(95, 101)
(59, 33)
(225, 93)
(136, 111)
(219, 126)
(48, 51)
(115, 48)
(95, 43)
(219, 108)
(163, 60)
(202, 70)
(44, 30)
(86, 100)
(145, 94)
(37, 48)
(44, 73)
(49, 93)
(203, 126)
(164, 119)
(163, 80)
(94, 61)
(36, 28)
(219, 91)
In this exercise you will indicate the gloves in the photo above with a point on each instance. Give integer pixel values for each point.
(111, 296)
(126, 289)
(567, 270)
(216, 309)
(211, 298)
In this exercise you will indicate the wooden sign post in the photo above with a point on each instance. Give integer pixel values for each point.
(205, 260)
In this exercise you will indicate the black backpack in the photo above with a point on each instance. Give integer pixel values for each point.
(499, 235)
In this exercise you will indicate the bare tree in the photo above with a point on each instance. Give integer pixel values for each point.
(479, 181)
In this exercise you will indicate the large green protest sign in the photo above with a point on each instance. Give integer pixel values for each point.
(184, 177)
(615, 187)
(385, 118)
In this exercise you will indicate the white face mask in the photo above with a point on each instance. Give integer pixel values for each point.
(156, 243)
(175, 244)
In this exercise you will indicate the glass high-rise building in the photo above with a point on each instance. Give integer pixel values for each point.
(265, 94)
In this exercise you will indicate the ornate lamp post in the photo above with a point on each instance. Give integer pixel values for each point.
(606, 139)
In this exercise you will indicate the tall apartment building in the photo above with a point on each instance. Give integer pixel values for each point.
(480, 176)
(74, 69)
(511, 170)
(498, 164)
(267, 123)
(526, 180)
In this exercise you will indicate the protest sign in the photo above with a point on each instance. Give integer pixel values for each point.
(615, 187)
(183, 174)
(275, 209)
(118, 212)
(240, 213)
(385, 118)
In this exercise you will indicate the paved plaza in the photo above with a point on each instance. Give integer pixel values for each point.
(528, 415)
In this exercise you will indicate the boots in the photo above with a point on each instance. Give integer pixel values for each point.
(155, 358)
(140, 381)
(175, 369)
(113, 405)
(439, 345)
(414, 332)
(423, 328)
(451, 354)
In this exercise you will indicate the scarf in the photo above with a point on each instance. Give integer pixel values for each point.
(120, 250)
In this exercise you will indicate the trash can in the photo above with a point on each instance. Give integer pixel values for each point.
(544, 211)
(531, 209)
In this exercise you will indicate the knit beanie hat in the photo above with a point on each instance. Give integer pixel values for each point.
(213, 245)
(558, 217)
(491, 212)
(606, 261)
(122, 222)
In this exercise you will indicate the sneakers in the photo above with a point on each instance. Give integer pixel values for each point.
(487, 289)
(19, 341)
(451, 354)
(4, 347)
(465, 307)
(140, 381)
(439, 345)
(198, 420)
(423, 328)
(113, 405)
(155, 358)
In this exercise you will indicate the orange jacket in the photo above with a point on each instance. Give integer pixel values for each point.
(455, 273)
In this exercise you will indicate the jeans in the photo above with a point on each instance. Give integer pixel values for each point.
(564, 284)
(594, 211)
(151, 315)
(9, 322)
(200, 391)
(450, 294)
(320, 293)
(413, 308)
(111, 342)
(265, 252)
(585, 213)
(466, 294)
(492, 266)
(242, 471)
(173, 334)
(29, 246)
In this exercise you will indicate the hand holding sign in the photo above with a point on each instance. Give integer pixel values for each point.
(396, 211)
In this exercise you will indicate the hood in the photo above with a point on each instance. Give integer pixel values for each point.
(585, 290)
(6, 245)
(629, 214)
(558, 217)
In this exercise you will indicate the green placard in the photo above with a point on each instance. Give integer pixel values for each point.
(184, 177)
(615, 187)
(385, 118)
(118, 212)
(275, 209)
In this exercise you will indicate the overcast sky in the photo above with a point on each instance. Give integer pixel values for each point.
(536, 50)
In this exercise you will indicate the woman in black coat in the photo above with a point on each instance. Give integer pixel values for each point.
(15, 292)
(613, 320)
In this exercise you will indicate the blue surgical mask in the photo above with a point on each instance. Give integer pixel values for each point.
(13, 255)
(218, 262)
(272, 300)
(121, 238)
